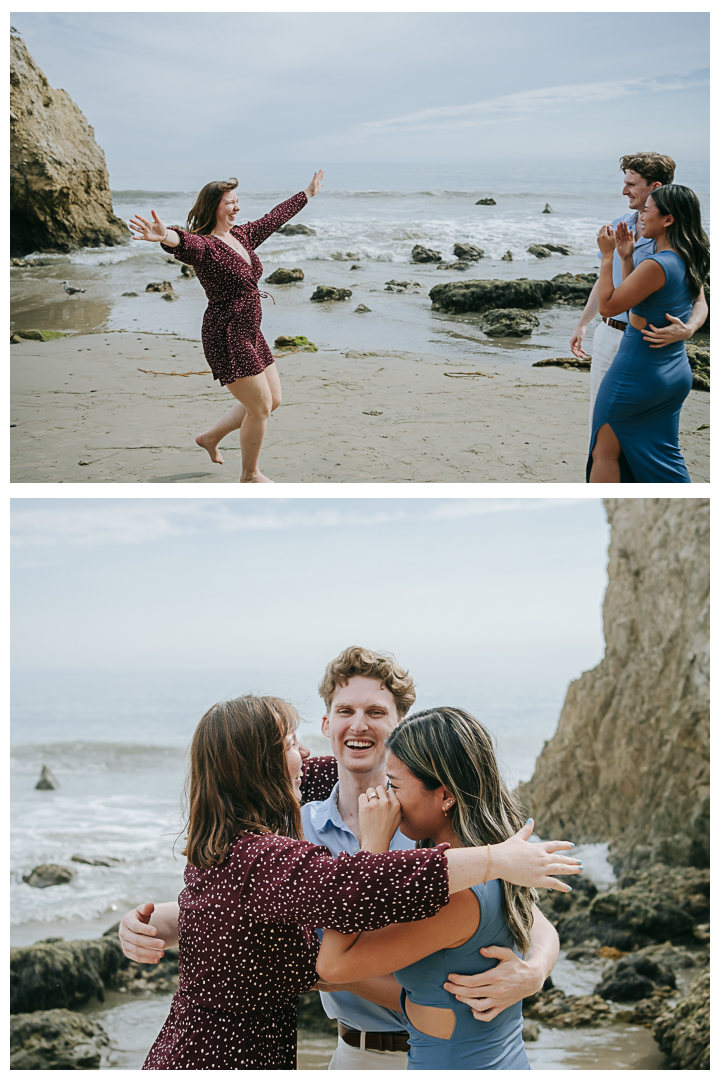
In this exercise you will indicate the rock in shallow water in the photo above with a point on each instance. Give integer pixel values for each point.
(634, 977)
(47, 781)
(42, 877)
(296, 229)
(283, 277)
(480, 295)
(329, 292)
(683, 1033)
(159, 286)
(422, 254)
(55, 1039)
(486, 202)
(508, 322)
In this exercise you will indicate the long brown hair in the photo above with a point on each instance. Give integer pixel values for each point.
(686, 235)
(202, 216)
(239, 780)
(449, 747)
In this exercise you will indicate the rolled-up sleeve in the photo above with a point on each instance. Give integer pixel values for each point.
(294, 882)
(191, 248)
(258, 231)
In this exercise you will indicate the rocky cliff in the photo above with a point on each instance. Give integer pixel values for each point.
(629, 762)
(59, 194)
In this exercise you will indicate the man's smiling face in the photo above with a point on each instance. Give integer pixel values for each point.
(361, 717)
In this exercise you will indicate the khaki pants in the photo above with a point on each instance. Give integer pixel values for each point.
(606, 342)
(352, 1057)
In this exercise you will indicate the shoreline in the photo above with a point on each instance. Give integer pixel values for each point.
(83, 412)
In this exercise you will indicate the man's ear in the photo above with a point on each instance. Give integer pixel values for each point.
(655, 185)
(326, 727)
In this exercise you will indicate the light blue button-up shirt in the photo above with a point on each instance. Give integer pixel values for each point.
(323, 825)
(644, 246)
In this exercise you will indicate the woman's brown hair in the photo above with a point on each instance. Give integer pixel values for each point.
(239, 780)
(449, 747)
(202, 217)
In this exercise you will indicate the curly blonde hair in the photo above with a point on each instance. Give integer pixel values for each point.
(371, 665)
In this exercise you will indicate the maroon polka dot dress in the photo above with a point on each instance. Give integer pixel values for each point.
(248, 945)
(233, 344)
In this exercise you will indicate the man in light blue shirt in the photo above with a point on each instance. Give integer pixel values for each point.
(366, 696)
(644, 173)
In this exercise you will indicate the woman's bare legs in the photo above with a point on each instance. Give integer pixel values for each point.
(606, 457)
(235, 416)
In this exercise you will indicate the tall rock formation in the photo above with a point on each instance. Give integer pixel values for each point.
(59, 194)
(629, 762)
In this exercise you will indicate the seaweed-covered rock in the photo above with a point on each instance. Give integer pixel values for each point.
(486, 202)
(159, 286)
(187, 271)
(556, 1007)
(43, 877)
(422, 254)
(60, 195)
(63, 974)
(481, 295)
(468, 252)
(284, 277)
(660, 904)
(634, 977)
(329, 292)
(284, 341)
(683, 1033)
(572, 288)
(508, 322)
(296, 229)
(55, 1039)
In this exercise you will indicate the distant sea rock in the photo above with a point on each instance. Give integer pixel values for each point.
(540, 251)
(296, 229)
(629, 763)
(486, 202)
(548, 208)
(56, 1039)
(60, 197)
(508, 322)
(47, 781)
(329, 292)
(422, 254)
(283, 277)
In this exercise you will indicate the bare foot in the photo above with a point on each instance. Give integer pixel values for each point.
(256, 478)
(211, 447)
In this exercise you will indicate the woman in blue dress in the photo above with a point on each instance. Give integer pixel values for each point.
(443, 770)
(637, 412)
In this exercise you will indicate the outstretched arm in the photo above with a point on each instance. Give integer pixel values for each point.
(513, 978)
(146, 931)
(153, 231)
(678, 330)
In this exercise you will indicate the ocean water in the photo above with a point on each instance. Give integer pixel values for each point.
(117, 742)
(368, 217)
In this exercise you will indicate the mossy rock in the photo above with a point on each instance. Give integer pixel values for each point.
(40, 335)
(56, 1039)
(298, 342)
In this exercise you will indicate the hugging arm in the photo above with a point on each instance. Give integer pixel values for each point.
(513, 978)
(146, 931)
(678, 330)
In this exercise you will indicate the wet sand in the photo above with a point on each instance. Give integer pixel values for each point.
(84, 413)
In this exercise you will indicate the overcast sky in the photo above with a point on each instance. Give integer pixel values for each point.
(396, 87)
(463, 589)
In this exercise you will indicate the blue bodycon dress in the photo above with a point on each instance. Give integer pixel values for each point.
(644, 389)
(474, 1044)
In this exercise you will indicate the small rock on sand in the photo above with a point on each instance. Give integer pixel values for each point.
(169, 296)
(284, 277)
(159, 286)
(508, 322)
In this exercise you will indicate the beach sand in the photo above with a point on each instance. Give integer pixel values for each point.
(84, 413)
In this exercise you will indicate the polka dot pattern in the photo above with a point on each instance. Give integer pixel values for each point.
(232, 342)
(248, 946)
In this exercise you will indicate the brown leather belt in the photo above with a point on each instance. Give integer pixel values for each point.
(615, 323)
(374, 1040)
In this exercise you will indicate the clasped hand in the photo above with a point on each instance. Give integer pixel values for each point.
(606, 240)
(379, 813)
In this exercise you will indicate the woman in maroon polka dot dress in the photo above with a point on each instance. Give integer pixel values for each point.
(223, 255)
(255, 891)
